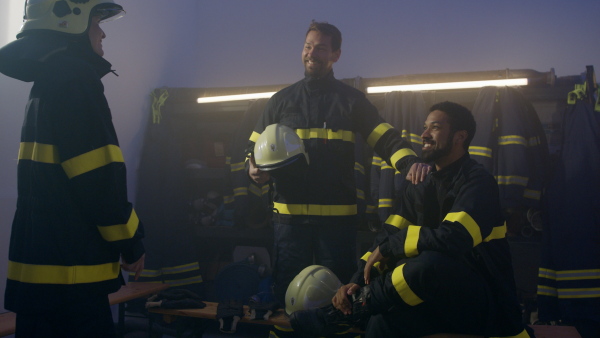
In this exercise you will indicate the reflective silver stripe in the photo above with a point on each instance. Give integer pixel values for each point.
(241, 191)
(359, 167)
(512, 139)
(532, 194)
(516, 180)
(480, 151)
(238, 166)
(414, 138)
(385, 203)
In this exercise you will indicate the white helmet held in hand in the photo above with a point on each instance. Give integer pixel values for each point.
(313, 287)
(277, 147)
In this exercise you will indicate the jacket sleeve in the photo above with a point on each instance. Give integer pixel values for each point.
(385, 140)
(473, 219)
(94, 166)
(393, 224)
(267, 118)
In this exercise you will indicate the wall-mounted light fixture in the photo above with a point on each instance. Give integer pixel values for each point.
(251, 96)
(384, 89)
(448, 85)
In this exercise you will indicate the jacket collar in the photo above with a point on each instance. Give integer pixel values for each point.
(451, 169)
(31, 56)
(319, 83)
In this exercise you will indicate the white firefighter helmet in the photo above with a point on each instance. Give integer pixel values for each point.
(278, 146)
(313, 287)
(66, 16)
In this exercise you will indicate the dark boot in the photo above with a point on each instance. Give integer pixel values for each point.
(320, 322)
(329, 320)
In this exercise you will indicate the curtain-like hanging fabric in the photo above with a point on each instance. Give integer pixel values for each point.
(569, 274)
(406, 111)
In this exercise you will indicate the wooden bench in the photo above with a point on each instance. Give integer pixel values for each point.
(279, 318)
(127, 292)
(130, 291)
(553, 331)
(210, 312)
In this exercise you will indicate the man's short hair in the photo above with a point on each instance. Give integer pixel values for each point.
(329, 30)
(460, 117)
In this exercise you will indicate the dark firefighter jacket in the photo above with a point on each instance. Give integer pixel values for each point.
(405, 111)
(457, 211)
(327, 114)
(73, 220)
(511, 145)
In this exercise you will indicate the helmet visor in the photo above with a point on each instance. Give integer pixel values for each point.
(108, 14)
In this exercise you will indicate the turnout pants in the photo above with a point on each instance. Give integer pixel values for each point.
(298, 246)
(430, 294)
(88, 319)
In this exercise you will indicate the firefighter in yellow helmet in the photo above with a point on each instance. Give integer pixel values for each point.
(73, 228)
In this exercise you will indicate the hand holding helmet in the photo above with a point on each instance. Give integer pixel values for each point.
(277, 147)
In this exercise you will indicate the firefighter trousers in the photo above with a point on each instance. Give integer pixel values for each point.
(298, 246)
(431, 293)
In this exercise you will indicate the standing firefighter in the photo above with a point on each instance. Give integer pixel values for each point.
(74, 227)
(315, 219)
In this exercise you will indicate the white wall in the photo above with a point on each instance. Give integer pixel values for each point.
(221, 43)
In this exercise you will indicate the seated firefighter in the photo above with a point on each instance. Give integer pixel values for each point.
(449, 263)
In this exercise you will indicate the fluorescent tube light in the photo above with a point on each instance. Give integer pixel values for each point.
(448, 85)
(235, 97)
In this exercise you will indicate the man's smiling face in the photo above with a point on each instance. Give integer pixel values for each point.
(317, 56)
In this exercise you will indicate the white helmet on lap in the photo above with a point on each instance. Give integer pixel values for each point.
(313, 287)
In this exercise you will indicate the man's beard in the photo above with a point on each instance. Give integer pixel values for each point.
(317, 70)
(432, 155)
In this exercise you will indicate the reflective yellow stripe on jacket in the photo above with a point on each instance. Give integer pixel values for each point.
(315, 209)
(328, 134)
(118, 232)
(48, 153)
(55, 274)
(378, 132)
